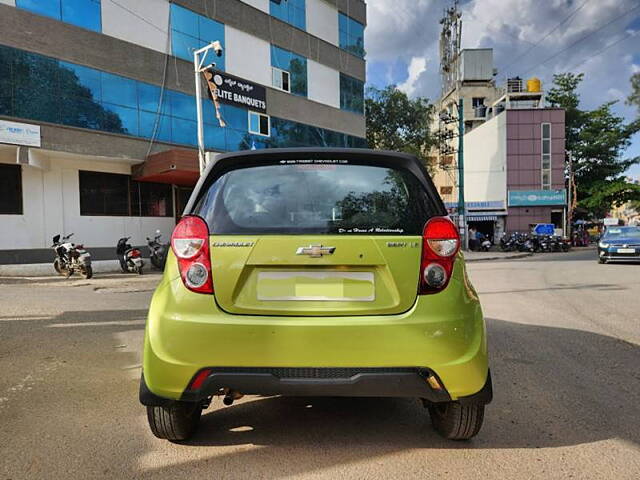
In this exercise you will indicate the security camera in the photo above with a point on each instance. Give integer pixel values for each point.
(217, 47)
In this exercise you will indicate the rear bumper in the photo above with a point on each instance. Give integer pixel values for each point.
(443, 334)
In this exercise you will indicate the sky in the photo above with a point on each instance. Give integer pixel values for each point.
(600, 38)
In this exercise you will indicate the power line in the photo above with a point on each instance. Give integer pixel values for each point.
(599, 52)
(566, 19)
(581, 39)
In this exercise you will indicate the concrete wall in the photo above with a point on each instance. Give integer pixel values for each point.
(324, 84)
(322, 20)
(247, 56)
(128, 24)
(485, 166)
(259, 4)
(524, 145)
(524, 161)
(51, 205)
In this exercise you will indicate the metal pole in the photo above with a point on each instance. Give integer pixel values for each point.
(196, 72)
(569, 193)
(462, 216)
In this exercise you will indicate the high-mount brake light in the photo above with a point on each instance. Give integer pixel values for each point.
(440, 245)
(190, 245)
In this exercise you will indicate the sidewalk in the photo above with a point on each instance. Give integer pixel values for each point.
(482, 256)
(46, 269)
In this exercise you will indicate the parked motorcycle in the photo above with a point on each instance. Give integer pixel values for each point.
(157, 251)
(130, 258)
(71, 258)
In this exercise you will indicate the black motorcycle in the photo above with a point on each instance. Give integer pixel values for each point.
(130, 258)
(71, 258)
(157, 251)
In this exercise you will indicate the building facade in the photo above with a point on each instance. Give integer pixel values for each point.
(514, 151)
(98, 114)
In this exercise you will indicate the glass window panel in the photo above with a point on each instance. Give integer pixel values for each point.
(128, 118)
(209, 111)
(49, 8)
(83, 13)
(298, 78)
(210, 30)
(254, 122)
(10, 189)
(184, 131)
(546, 161)
(149, 97)
(546, 146)
(103, 193)
(85, 113)
(119, 90)
(237, 139)
(214, 137)
(546, 130)
(298, 18)
(79, 81)
(235, 117)
(182, 46)
(184, 20)
(264, 125)
(152, 199)
(148, 123)
(280, 58)
(182, 105)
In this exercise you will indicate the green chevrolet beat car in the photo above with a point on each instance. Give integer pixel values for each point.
(315, 272)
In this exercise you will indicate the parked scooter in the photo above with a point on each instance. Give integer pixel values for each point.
(130, 258)
(71, 258)
(157, 251)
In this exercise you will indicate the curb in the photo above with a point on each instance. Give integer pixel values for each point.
(46, 269)
(510, 257)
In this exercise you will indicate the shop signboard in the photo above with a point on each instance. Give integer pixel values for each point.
(19, 133)
(536, 198)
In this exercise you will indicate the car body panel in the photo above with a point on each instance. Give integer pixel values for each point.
(268, 275)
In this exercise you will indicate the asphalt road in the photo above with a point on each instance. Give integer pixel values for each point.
(564, 338)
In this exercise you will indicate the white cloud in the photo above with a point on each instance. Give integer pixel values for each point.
(417, 66)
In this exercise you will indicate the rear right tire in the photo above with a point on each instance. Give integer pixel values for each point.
(176, 422)
(456, 421)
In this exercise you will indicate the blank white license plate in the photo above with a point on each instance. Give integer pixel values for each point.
(626, 250)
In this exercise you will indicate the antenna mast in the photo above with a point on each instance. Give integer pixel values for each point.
(450, 37)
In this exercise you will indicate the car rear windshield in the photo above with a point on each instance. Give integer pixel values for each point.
(315, 196)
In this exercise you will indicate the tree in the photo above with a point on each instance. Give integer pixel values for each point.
(597, 139)
(396, 122)
(634, 98)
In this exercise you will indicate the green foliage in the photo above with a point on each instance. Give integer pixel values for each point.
(634, 98)
(597, 139)
(396, 122)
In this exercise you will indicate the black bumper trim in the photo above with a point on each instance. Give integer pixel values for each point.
(349, 382)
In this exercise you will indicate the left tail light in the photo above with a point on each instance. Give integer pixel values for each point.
(190, 245)
(440, 245)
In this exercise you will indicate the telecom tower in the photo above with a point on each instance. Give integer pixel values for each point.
(450, 36)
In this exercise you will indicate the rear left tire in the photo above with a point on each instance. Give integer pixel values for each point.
(177, 422)
(456, 421)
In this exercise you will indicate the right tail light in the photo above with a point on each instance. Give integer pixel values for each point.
(190, 244)
(440, 245)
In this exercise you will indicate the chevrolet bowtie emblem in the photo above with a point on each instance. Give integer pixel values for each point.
(315, 251)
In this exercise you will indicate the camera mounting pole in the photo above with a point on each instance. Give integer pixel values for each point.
(199, 57)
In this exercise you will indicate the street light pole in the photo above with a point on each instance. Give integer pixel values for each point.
(199, 57)
(462, 216)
